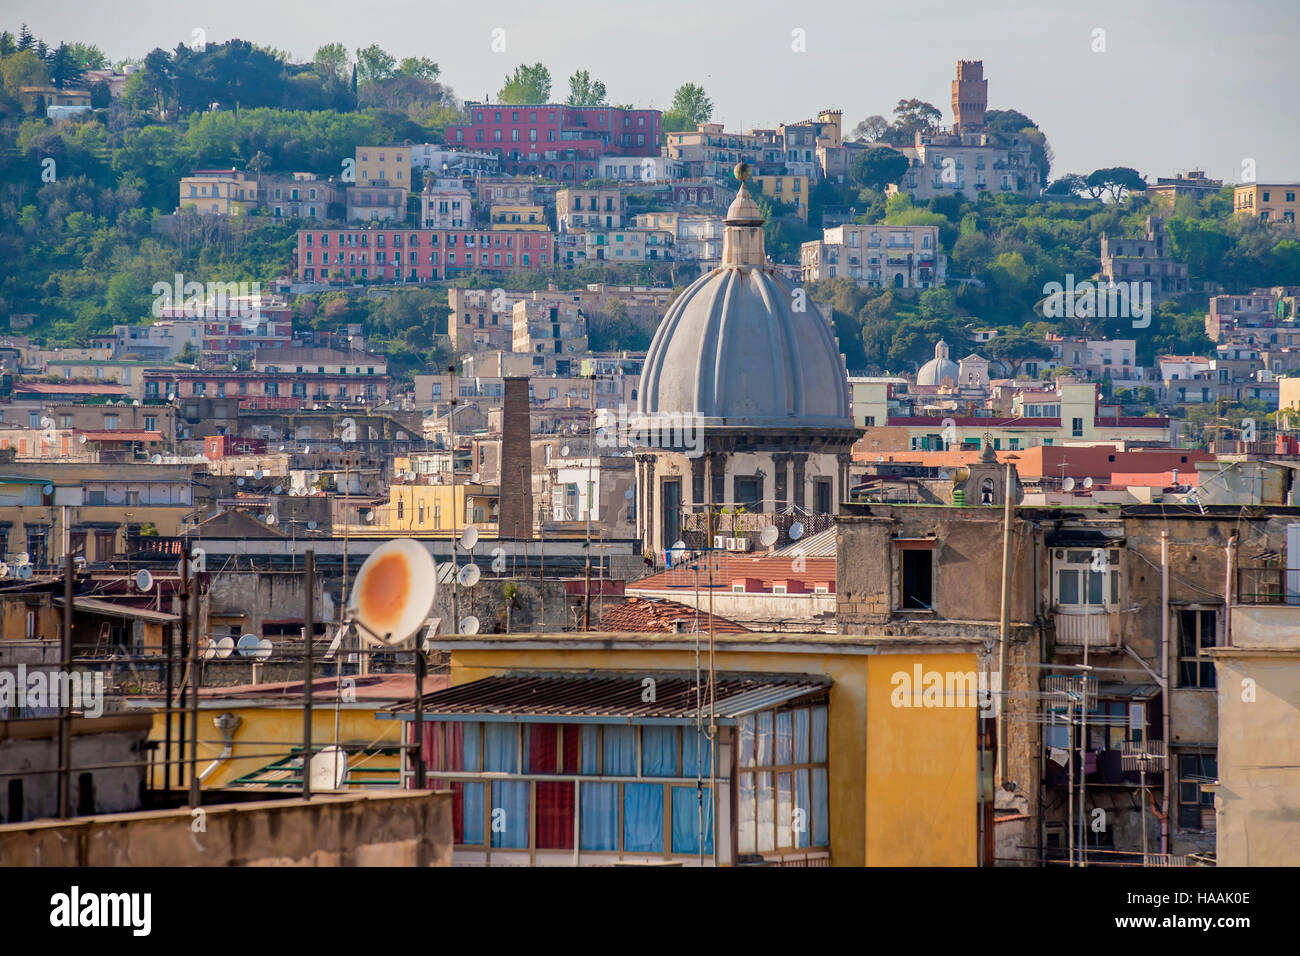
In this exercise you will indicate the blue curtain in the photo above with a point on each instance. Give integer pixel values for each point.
(501, 747)
(784, 738)
(693, 742)
(473, 811)
(510, 814)
(598, 814)
(745, 730)
(470, 753)
(620, 751)
(686, 821)
(819, 735)
(659, 751)
(643, 817)
(803, 806)
(801, 736)
(764, 758)
(589, 743)
(820, 809)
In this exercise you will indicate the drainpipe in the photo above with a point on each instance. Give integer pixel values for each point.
(227, 724)
(1231, 553)
(1164, 687)
(1004, 623)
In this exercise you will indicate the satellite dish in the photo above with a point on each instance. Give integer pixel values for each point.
(328, 769)
(81, 440)
(48, 489)
(240, 482)
(269, 519)
(47, 422)
(247, 645)
(225, 647)
(565, 451)
(171, 397)
(24, 572)
(136, 402)
(410, 476)
(143, 579)
(446, 573)
(4, 570)
(628, 494)
(209, 650)
(768, 536)
(258, 473)
(1068, 484)
(469, 575)
(796, 531)
(1087, 482)
(944, 476)
(469, 537)
(469, 624)
(263, 649)
(311, 526)
(394, 590)
(156, 459)
(281, 448)
(306, 449)
(278, 490)
(23, 558)
(475, 478)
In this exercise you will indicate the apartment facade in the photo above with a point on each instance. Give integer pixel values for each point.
(1146, 260)
(878, 256)
(1267, 202)
(588, 209)
(446, 204)
(219, 192)
(300, 196)
(416, 255)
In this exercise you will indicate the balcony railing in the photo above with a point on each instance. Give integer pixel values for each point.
(1087, 626)
(1268, 584)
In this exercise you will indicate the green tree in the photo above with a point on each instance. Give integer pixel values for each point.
(584, 91)
(23, 69)
(527, 86)
(1014, 347)
(374, 64)
(420, 67)
(878, 167)
(88, 56)
(101, 97)
(870, 130)
(1114, 181)
(331, 62)
(691, 106)
(1071, 184)
(911, 117)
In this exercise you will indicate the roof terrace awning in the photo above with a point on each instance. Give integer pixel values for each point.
(609, 697)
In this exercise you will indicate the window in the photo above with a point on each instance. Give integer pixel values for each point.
(1076, 427)
(1196, 807)
(781, 784)
(916, 577)
(1081, 577)
(1196, 634)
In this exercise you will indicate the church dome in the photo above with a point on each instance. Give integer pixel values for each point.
(938, 368)
(732, 350)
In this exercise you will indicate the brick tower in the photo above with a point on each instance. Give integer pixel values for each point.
(970, 96)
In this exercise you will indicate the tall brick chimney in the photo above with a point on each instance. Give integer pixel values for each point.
(516, 505)
(970, 96)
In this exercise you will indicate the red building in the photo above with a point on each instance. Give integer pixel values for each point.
(219, 446)
(556, 141)
(416, 255)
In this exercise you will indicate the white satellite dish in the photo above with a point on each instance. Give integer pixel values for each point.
(240, 482)
(269, 519)
(247, 645)
(1068, 484)
(469, 575)
(768, 536)
(410, 476)
(1087, 482)
(23, 558)
(469, 537)
(469, 624)
(47, 422)
(565, 451)
(281, 448)
(306, 449)
(278, 490)
(258, 473)
(446, 572)
(225, 647)
(24, 572)
(394, 590)
(796, 531)
(156, 459)
(81, 439)
(209, 650)
(4, 570)
(263, 649)
(311, 526)
(143, 579)
(476, 478)
(328, 769)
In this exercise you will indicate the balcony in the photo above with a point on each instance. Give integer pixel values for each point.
(1087, 626)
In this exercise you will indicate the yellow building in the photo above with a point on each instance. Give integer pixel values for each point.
(519, 217)
(827, 749)
(1268, 202)
(383, 165)
(1288, 393)
(792, 190)
(417, 510)
(222, 192)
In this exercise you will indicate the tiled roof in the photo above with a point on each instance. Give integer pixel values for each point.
(647, 616)
(729, 567)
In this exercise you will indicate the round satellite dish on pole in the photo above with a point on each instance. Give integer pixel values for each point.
(306, 449)
(156, 459)
(225, 647)
(81, 439)
(23, 558)
(247, 645)
(476, 478)
(469, 575)
(394, 590)
(269, 519)
(1087, 482)
(311, 526)
(410, 476)
(209, 650)
(328, 769)
(469, 537)
(767, 537)
(263, 649)
(278, 490)
(4, 570)
(240, 482)
(48, 489)
(24, 572)
(143, 579)
(796, 531)
(1068, 484)
(258, 473)
(446, 572)
(565, 451)
(469, 624)
(628, 494)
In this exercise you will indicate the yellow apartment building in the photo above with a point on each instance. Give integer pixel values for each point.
(1268, 202)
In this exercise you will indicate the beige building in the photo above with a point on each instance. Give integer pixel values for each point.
(1268, 202)
(446, 204)
(1167, 190)
(516, 217)
(221, 192)
(541, 327)
(791, 190)
(300, 196)
(588, 209)
(383, 166)
(878, 256)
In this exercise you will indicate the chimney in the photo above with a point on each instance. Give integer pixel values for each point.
(516, 508)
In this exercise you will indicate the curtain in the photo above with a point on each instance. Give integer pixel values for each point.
(643, 817)
(554, 815)
(510, 814)
(500, 747)
(541, 748)
(784, 738)
(764, 757)
(572, 748)
(686, 820)
(472, 826)
(599, 816)
(766, 812)
(819, 735)
(784, 811)
(619, 752)
(746, 835)
(471, 758)
(697, 753)
(589, 748)
(803, 806)
(659, 751)
(745, 730)
(801, 736)
(820, 809)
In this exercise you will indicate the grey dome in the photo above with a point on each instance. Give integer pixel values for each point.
(938, 368)
(732, 351)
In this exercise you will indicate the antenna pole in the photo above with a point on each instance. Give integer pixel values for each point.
(195, 681)
(65, 709)
(308, 627)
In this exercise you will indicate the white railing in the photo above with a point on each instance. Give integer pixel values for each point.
(1086, 626)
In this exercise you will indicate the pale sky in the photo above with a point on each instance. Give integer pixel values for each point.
(1180, 85)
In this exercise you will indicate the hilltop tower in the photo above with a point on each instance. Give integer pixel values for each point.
(970, 96)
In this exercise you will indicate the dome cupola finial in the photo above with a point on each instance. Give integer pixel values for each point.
(742, 234)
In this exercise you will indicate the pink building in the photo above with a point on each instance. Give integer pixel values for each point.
(416, 255)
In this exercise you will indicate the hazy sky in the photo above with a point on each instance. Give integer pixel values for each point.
(1181, 85)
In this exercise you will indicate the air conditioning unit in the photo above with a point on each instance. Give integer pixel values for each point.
(719, 542)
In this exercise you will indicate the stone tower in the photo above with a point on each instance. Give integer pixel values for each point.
(970, 96)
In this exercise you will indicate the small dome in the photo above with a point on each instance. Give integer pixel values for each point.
(938, 368)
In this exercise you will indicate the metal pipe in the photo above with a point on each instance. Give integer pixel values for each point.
(417, 725)
(65, 705)
(183, 702)
(1164, 688)
(195, 681)
(1004, 623)
(308, 629)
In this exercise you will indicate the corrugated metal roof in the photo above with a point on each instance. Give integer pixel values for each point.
(819, 545)
(609, 696)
